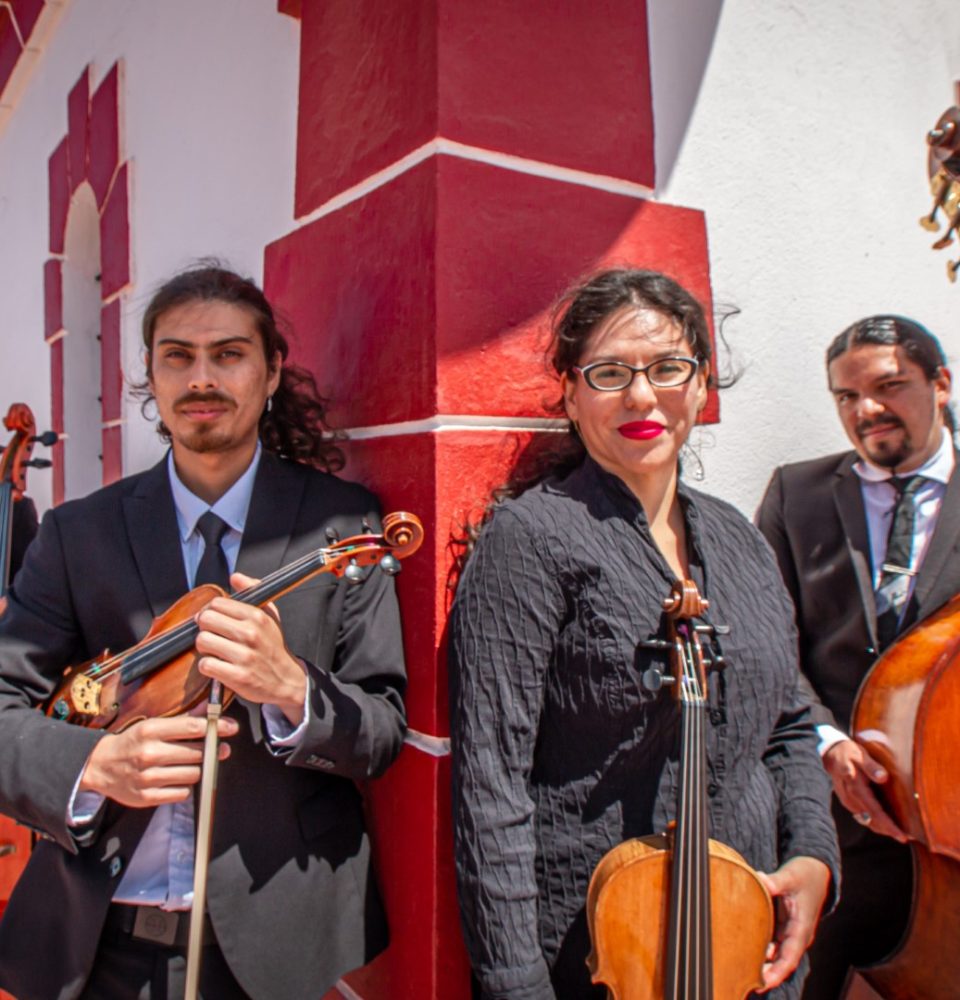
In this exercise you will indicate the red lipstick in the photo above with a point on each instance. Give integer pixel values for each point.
(641, 430)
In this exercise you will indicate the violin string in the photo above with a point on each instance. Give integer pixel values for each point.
(181, 637)
(178, 639)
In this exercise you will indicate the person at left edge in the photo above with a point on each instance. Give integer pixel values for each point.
(291, 896)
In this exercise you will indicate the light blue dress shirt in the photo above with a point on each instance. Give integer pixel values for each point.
(879, 499)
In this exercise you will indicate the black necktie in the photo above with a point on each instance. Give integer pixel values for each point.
(894, 583)
(212, 567)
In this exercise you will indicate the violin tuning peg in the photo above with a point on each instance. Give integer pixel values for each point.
(47, 438)
(654, 679)
(332, 535)
(654, 644)
(366, 526)
(944, 240)
(390, 564)
(353, 573)
(721, 629)
(39, 463)
(952, 267)
(929, 222)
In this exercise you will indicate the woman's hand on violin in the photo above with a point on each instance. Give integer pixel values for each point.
(799, 888)
(153, 762)
(852, 771)
(242, 647)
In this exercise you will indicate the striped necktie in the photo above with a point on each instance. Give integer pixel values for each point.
(894, 586)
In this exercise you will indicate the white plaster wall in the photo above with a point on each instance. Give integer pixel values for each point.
(208, 120)
(798, 127)
(806, 149)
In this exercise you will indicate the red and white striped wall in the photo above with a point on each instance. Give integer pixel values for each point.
(458, 165)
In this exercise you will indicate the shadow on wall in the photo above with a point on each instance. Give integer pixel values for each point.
(681, 38)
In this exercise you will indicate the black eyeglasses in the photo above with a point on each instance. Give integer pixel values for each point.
(612, 376)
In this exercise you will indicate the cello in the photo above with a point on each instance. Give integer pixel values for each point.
(677, 915)
(906, 715)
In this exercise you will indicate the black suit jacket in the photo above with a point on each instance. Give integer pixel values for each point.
(813, 516)
(291, 893)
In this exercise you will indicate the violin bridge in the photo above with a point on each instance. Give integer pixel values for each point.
(85, 695)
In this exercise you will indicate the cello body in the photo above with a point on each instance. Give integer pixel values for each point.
(907, 716)
(627, 910)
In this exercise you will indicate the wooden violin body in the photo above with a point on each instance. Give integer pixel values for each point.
(114, 704)
(627, 908)
(678, 916)
(158, 677)
(907, 715)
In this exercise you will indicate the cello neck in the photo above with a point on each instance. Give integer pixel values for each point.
(689, 968)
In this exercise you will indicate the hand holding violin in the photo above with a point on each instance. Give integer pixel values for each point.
(799, 887)
(242, 646)
(852, 771)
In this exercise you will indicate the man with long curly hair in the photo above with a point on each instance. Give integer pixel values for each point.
(245, 488)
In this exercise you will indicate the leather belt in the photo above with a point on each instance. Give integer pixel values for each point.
(164, 928)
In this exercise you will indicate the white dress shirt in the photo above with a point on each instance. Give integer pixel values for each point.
(879, 501)
(160, 873)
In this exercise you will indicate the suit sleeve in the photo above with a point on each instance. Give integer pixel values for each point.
(42, 757)
(772, 524)
(357, 719)
(503, 628)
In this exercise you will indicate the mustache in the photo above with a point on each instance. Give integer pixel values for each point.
(202, 397)
(868, 425)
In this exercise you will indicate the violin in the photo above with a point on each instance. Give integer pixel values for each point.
(158, 677)
(14, 462)
(678, 916)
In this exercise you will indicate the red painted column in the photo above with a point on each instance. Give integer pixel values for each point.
(458, 165)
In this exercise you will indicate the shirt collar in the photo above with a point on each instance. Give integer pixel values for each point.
(939, 467)
(232, 506)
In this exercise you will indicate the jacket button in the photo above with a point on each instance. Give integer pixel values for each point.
(712, 789)
(116, 866)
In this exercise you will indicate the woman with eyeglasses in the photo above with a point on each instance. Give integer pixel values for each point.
(560, 752)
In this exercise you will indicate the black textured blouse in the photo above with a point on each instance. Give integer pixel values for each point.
(560, 752)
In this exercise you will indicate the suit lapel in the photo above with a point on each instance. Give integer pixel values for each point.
(273, 512)
(946, 536)
(266, 535)
(151, 524)
(849, 502)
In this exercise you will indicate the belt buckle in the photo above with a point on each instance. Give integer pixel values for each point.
(156, 925)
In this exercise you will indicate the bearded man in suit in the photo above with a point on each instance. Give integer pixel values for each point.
(291, 900)
(867, 543)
